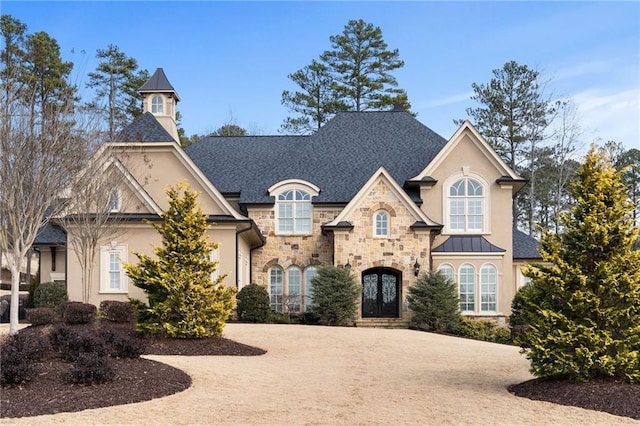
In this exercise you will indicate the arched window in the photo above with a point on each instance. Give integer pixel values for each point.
(381, 224)
(294, 289)
(275, 288)
(309, 274)
(157, 105)
(447, 271)
(294, 212)
(488, 288)
(467, 288)
(466, 206)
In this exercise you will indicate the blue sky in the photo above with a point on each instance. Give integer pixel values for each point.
(230, 60)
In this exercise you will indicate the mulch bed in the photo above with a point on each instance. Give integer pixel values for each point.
(136, 380)
(620, 399)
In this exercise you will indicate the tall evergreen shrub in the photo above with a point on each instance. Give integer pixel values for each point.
(335, 296)
(435, 304)
(584, 304)
(184, 301)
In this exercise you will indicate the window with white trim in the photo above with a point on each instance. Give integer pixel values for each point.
(447, 271)
(381, 224)
(466, 206)
(467, 288)
(115, 200)
(488, 288)
(157, 104)
(294, 289)
(309, 274)
(276, 288)
(113, 278)
(214, 256)
(294, 212)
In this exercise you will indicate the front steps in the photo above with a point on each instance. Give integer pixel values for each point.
(383, 322)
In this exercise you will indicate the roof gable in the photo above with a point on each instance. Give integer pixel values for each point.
(381, 176)
(467, 129)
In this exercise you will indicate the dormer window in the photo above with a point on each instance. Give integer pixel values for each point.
(293, 208)
(157, 104)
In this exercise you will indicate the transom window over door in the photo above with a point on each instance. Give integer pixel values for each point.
(294, 212)
(466, 205)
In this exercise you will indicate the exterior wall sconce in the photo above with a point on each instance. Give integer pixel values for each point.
(347, 265)
(416, 268)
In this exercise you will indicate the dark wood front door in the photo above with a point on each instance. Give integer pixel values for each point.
(380, 293)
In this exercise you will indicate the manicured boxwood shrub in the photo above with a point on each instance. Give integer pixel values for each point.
(41, 316)
(116, 311)
(50, 295)
(484, 330)
(78, 312)
(253, 304)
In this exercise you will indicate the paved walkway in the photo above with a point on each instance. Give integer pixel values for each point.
(345, 376)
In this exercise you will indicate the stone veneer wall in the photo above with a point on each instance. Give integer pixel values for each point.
(287, 250)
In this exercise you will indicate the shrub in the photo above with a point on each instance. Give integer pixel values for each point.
(253, 304)
(484, 330)
(117, 311)
(71, 344)
(122, 346)
(335, 296)
(17, 356)
(50, 295)
(90, 368)
(41, 316)
(279, 318)
(78, 312)
(434, 302)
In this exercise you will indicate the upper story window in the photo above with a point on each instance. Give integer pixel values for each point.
(466, 205)
(157, 105)
(115, 200)
(294, 212)
(293, 209)
(381, 224)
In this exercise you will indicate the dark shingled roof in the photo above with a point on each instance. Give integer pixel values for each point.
(158, 83)
(50, 235)
(339, 158)
(524, 246)
(467, 244)
(144, 129)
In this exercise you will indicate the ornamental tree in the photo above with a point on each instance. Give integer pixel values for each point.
(584, 304)
(184, 300)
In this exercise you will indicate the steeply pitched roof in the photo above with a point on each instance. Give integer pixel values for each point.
(144, 128)
(467, 244)
(158, 83)
(524, 246)
(339, 158)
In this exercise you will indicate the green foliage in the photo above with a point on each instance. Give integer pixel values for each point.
(335, 296)
(435, 304)
(184, 301)
(484, 330)
(279, 318)
(253, 304)
(50, 295)
(584, 306)
(518, 312)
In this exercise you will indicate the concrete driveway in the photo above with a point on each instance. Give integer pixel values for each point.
(345, 376)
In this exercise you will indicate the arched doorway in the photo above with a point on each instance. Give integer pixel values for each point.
(381, 293)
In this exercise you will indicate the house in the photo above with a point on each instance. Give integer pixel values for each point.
(377, 192)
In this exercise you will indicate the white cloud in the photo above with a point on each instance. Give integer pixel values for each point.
(449, 100)
(584, 68)
(607, 115)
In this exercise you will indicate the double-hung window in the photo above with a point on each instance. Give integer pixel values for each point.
(113, 278)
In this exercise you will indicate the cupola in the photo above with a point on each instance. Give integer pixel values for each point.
(160, 99)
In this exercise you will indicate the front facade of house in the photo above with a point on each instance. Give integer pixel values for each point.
(377, 192)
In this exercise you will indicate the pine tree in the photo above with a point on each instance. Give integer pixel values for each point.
(434, 302)
(184, 301)
(335, 296)
(584, 305)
